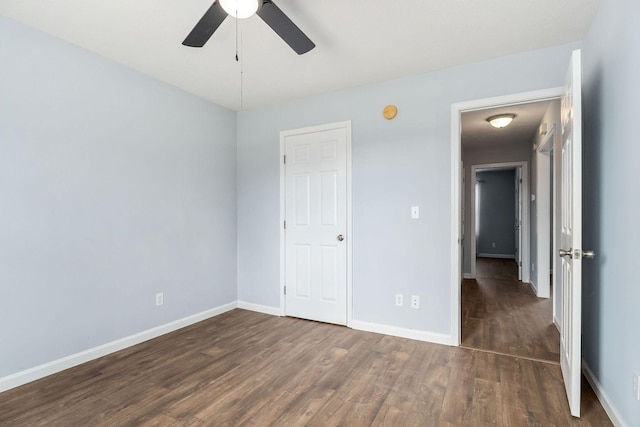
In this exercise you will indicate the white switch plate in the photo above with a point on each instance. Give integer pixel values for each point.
(415, 301)
(159, 298)
(415, 212)
(399, 300)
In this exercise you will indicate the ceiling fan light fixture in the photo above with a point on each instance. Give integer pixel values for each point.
(501, 120)
(240, 9)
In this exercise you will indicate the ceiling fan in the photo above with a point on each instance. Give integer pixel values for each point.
(265, 9)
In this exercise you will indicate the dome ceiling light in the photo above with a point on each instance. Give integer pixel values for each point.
(501, 120)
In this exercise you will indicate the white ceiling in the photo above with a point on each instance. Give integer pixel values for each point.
(358, 41)
(477, 132)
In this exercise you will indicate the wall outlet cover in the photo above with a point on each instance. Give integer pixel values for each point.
(399, 300)
(415, 301)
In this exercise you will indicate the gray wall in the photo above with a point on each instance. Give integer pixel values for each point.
(611, 203)
(519, 151)
(396, 164)
(113, 187)
(496, 212)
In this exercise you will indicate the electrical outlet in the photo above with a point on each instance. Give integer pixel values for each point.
(399, 300)
(415, 301)
(159, 298)
(493, 244)
(636, 386)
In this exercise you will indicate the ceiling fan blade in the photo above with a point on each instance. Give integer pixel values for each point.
(285, 28)
(207, 25)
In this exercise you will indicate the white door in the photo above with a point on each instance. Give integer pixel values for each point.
(571, 233)
(518, 221)
(461, 242)
(316, 224)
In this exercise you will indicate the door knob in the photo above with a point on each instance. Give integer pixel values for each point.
(568, 253)
(589, 254)
(340, 237)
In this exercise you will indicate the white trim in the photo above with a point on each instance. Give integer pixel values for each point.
(547, 144)
(49, 368)
(456, 220)
(283, 210)
(544, 202)
(602, 396)
(501, 256)
(349, 230)
(468, 276)
(534, 287)
(556, 323)
(456, 110)
(274, 311)
(349, 240)
(395, 331)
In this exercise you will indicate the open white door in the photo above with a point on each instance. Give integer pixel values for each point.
(316, 224)
(518, 221)
(571, 233)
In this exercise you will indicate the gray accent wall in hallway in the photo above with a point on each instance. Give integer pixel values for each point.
(518, 151)
(495, 232)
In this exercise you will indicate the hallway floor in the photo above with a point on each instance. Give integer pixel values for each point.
(502, 315)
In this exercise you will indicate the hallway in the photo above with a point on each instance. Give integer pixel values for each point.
(501, 314)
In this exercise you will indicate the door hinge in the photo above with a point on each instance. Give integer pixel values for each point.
(285, 159)
(285, 290)
(285, 224)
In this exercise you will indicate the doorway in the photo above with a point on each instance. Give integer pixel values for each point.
(506, 227)
(456, 157)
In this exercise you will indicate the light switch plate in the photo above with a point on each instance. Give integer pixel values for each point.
(415, 212)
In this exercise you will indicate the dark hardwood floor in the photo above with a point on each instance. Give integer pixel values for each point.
(245, 368)
(502, 314)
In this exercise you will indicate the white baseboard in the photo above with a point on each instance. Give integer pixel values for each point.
(49, 368)
(467, 276)
(604, 399)
(556, 323)
(502, 256)
(413, 334)
(533, 287)
(274, 311)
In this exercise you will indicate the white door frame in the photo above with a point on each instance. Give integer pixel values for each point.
(456, 156)
(524, 227)
(349, 233)
(544, 224)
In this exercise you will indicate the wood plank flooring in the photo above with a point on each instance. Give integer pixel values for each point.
(251, 369)
(502, 314)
